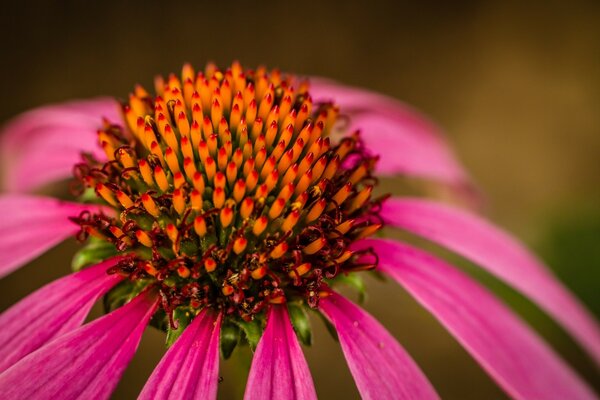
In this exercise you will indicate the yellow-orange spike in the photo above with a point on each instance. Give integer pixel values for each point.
(332, 168)
(171, 138)
(304, 182)
(249, 166)
(126, 158)
(246, 207)
(150, 269)
(131, 118)
(222, 158)
(268, 167)
(239, 190)
(235, 117)
(210, 265)
(361, 198)
(315, 147)
(198, 182)
(222, 127)
(249, 94)
(368, 231)
(277, 208)
(290, 174)
(231, 172)
(302, 269)
(251, 112)
(106, 194)
(179, 201)
(161, 178)
(195, 134)
(140, 92)
(146, 172)
(183, 271)
(287, 134)
(143, 238)
(228, 145)
(210, 168)
(344, 147)
(344, 257)
(172, 232)
(273, 116)
(227, 289)
(157, 151)
(239, 245)
(279, 250)
(316, 133)
(161, 123)
(259, 272)
(345, 226)
(147, 136)
(304, 113)
(172, 161)
(216, 111)
(341, 195)
(212, 143)
(318, 168)
(316, 210)
(251, 180)
(305, 163)
(290, 221)
(260, 158)
(150, 205)
(242, 133)
(286, 191)
(301, 200)
(290, 120)
(200, 226)
(314, 246)
(226, 94)
(196, 199)
(271, 180)
(265, 106)
(248, 150)
(226, 217)
(188, 91)
(137, 105)
(257, 128)
(189, 167)
(118, 233)
(220, 180)
(297, 149)
(207, 128)
(238, 158)
(286, 106)
(205, 92)
(359, 173)
(306, 132)
(178, 180)
(278, 150)
(125, 200)
(271, 133)
(183, 124)
(218, 197)
(203, 151)
(325, 147)
(260, 225)
(109, 150)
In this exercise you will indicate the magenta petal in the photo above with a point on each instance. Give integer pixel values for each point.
(516, 357)
(381, 367)
(279, 370)
(190, 369)
(31, 225)
(500, 254)
(389, 128)
(51, 311)
(84, 364)
(42, 145)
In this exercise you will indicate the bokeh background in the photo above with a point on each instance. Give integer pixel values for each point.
(516, 86)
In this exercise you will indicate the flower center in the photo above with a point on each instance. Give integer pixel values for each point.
(229, 192)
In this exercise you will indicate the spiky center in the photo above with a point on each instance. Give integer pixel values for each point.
(229, 192)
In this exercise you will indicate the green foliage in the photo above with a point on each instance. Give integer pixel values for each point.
(301, 323)
(94, 252)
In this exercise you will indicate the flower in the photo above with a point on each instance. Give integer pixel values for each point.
(223, 209)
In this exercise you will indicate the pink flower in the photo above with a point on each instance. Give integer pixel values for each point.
(229, 205)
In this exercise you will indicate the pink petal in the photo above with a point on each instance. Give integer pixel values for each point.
(516, 357)
(500, 254)
(279, 370)
(190, 369)
(42, 145)
(381, 367)
(31, 225)
(407, 141)
(52, 311)
(83, 364)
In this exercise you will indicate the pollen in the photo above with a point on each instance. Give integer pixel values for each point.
(230, 192)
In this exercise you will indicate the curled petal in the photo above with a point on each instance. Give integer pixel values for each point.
(42, 145)
(85, 363)
(517, 358)
(407, 141)
(31, 225)
(190, 369)
(51, 311)
(500, 254)
(380, 366)
(279, 370)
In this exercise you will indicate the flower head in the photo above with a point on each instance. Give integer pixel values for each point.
(224, 207)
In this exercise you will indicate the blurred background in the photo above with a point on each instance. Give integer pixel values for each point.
(516, 86)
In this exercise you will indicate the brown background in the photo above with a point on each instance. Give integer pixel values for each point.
(516, 86)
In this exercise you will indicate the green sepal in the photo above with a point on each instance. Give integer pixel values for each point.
(252, 330)
(123, 293)
(182, 317)
(230, 337)
(95, 251)
(354, 281)
(301, 323)
(89, 196)
(329, 326)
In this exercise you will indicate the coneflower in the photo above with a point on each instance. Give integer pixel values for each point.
(226, 207)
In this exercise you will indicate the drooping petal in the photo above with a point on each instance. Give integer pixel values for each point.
(42, 145)
(51, 311)
(515, 356)
(407, 141)
(279, 370)
(380, 366)
(83, 364)
(31, 225)
(500, 254)
(190, 368)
